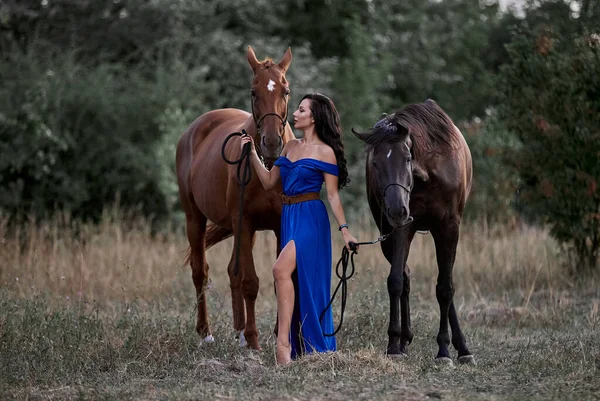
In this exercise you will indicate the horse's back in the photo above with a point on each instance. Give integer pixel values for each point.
(217, 123)
(198, 158)
(467, 162)
(459, 182)
(449, 167)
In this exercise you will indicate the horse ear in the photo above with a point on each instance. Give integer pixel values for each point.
(360, 135)
(419, 172)
(252, 60)
(284, 64)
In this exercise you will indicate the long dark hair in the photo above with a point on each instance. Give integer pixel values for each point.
(329, 130)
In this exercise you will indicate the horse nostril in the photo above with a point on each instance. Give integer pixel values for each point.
(264, 141)
(398, 212)
(403, 211)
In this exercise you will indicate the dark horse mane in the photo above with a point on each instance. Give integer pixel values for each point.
(430, 128)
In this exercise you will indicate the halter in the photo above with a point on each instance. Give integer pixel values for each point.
(283, 121)
(409, 190)
(384, 211)
(259, 121)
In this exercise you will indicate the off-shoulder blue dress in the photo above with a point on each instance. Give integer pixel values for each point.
(307, 224)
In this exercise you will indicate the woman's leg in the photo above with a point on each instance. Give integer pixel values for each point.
(282, 272)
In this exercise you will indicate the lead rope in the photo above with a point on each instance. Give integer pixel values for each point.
(344, 277)
(243, 179)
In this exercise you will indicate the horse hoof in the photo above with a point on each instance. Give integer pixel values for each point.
(252, 343)
(242, 340)
(467, 360)
(444, 361)
(209, 339)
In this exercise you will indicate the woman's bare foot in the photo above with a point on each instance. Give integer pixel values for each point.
(284, 354)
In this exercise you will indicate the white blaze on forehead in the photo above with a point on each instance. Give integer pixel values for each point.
(389, 153)
(271, 85)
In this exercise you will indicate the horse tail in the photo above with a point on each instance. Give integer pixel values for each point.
(188, 257)
(214, 235)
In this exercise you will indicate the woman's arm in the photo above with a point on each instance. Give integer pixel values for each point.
(333, 196)
(268, 178)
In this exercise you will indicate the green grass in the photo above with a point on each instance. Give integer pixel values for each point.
(111, 331)
(74, 351)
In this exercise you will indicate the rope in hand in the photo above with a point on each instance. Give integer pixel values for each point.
(344, 277)
(243, 178)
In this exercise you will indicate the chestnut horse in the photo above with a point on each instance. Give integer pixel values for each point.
(419, 172)
(209, 189)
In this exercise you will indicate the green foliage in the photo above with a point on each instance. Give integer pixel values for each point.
(101, 31)
(80, 136)
(550, 93)
(438, 51)
(494, 187)
(95, 95)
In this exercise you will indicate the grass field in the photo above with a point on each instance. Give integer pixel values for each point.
(108, 313)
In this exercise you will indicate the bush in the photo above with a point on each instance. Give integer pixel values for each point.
(74, 137)
(492, 197)
(550, 91)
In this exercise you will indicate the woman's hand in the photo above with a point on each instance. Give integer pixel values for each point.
(349, 238)
(247, 139)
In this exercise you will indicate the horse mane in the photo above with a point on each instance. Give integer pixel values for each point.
(430, 128)
(267, 63)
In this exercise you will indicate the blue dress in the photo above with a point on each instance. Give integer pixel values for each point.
(307, 224)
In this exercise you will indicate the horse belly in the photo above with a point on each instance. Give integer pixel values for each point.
(265, 208)
(210, 176)
(209, 188)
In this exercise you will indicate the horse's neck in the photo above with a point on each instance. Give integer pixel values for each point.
(250, 128)
(288, 134)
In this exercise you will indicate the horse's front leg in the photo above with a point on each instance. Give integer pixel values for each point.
(398, 338)
(237, 300)
(446, 240)
(458, 339)
(406, 334)
(249, 282)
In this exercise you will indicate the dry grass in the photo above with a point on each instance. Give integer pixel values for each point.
(112, 262)
(107, 312)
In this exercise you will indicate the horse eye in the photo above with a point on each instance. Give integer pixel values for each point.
(287, 92)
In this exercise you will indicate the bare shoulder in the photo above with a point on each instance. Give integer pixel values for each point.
(289, 145)
(327, 154)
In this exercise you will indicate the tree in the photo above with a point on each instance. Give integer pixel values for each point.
(550, 95)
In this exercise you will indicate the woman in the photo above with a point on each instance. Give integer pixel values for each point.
(303, 166)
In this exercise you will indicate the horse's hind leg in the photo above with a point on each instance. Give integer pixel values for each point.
(446, 240)
(196, 231)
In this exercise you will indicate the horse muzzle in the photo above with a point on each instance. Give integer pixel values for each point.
(399, 217)
(271, 147)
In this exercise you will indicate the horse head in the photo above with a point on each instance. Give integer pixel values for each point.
(390, 169)
(270, 94)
